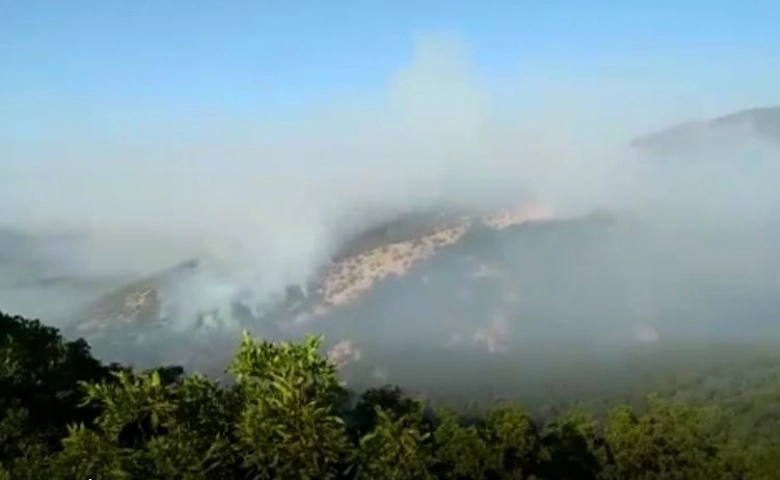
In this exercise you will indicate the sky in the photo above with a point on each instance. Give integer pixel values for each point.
(192, 116)
(262, 133)
(100, 63)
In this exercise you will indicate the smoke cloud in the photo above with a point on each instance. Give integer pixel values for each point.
(264, 207)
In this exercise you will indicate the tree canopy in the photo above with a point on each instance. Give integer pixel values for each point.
(65, 415)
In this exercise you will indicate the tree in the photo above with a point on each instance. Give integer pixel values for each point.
(67, 416)
(394, 449)
(290, 396)
(514, 442)
(39, 386)
(671, 441)
(390, 399)
(461, 452)
(573, 448)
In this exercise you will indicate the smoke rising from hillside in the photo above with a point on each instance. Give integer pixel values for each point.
(265, 208)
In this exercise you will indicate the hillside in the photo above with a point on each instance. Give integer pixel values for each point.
(597, 283)
(448, 283)
(597, 312)
(686, 137)
(376, 259)
(491, 283)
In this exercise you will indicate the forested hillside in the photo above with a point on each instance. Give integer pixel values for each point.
(285, 414)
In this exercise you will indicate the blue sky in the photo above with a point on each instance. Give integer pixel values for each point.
(271, 123)
(89, 82)
(266, 59)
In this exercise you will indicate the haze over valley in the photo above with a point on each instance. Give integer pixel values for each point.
(677, 260)
(429, 223)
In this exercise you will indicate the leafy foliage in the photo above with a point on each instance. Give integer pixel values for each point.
(64, 415)
(40, 393)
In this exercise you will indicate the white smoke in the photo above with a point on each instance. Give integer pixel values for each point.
(264, 208)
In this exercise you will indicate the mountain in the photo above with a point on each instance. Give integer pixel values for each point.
(486, 287)
(135, 318)
(37, 270)
(442, 286)
(687, 137)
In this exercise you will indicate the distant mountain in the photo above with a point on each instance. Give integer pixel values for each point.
(493, 286)
(40, 271)
(135, 315)
(451, 282)
(686, 137)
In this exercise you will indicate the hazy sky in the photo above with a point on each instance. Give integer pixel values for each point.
(259, 134)
(97, 66)
(252, 117)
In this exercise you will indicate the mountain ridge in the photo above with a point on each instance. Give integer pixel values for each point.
(450, 279)
(763, 121)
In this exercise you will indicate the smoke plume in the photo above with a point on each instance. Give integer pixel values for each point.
(264, 206)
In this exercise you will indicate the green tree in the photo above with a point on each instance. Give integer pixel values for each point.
(138, 433)
(671, 441)
(67, 416)
(395, 449)
(390, 399)
(461, 452)
(39, 388)
(514, 442)
(288, 424)
(90, 454)
(574, 448)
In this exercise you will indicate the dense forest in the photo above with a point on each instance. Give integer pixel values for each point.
(285, 413)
